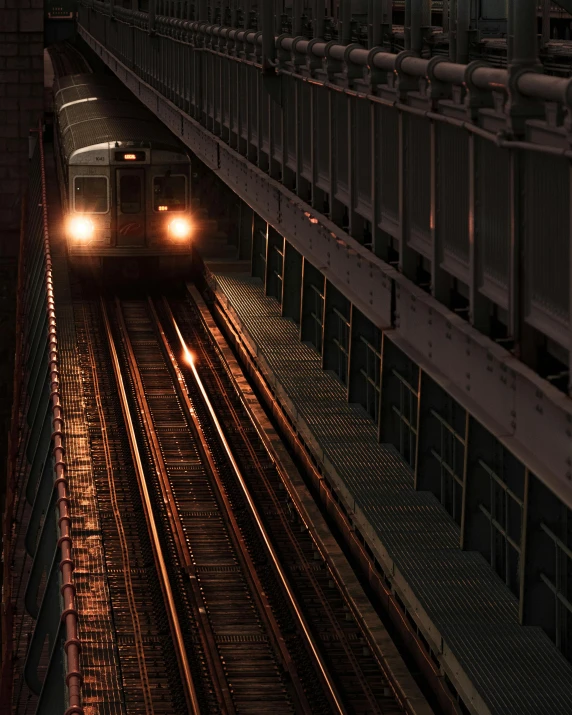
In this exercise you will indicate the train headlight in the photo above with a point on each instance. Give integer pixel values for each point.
(180, 228)
(81, 228)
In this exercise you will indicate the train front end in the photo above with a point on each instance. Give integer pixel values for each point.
(127, 200)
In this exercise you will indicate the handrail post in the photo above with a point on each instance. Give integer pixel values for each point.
(376, 9)
(463, 28)
(525, 33)
(453, 30)
(246, 10)
(346, 18)
(203, 11)
(296, 18)
(319, 19)
(268, 37)
(386, 10)
(545, 22)
(418, 18)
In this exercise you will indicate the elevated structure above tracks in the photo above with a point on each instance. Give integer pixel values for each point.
(419, 198)
(400, 293)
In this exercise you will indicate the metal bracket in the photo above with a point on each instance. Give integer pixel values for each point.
(257, 54)
(298, 58)
(351, 70)
(436, 89)
(333, 66)
(520, 108)
(405, 83)
(375, 75)
(475, 98)
(283, 56)
(568, 111)
(313, 62)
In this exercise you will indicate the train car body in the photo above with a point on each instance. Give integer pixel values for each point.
(125, 180)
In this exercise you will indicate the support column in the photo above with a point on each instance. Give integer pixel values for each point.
(379, 20)
(268, 37)
(524, 23)
(346, 18)
(546, 22)
(453, 30)
(203, 10)
(297, 18)
(319, 18)
(463, 28)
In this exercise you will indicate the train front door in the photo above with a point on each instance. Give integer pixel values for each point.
(130, 207)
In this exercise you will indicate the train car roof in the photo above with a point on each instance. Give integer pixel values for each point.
(88, 79)
(94, 109)
(66, 94)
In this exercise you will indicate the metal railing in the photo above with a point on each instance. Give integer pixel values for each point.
(50, 592)
(462, 167)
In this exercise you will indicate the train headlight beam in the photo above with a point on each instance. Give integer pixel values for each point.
(81, 228)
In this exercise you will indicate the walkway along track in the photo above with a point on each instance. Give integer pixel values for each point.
(220, 596)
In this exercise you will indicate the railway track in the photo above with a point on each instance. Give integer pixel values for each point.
(221, 598)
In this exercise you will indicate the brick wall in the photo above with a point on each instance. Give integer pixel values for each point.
(21, 96)
(21, 101)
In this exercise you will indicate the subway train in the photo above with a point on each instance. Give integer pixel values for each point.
(124, 178)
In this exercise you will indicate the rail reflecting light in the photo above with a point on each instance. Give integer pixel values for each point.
(81, 228)
(189, 357)
(180, 228)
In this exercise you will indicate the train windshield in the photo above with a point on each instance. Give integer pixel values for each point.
(169, 193)
(90, 194)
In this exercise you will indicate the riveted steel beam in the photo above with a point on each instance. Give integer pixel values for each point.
(485, 378)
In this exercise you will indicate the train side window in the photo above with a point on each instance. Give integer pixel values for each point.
(90, 194)
(130, 194)
(170, 193)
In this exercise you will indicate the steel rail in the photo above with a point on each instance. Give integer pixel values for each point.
(142, 663)
(188, 684)
(325, 676)
(257, 588)
(206, 633)
(366, 689)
